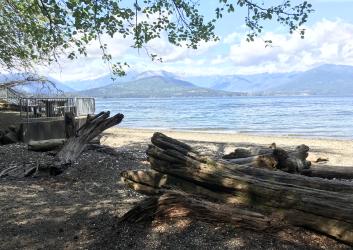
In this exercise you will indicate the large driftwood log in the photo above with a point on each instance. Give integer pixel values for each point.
(314, 203)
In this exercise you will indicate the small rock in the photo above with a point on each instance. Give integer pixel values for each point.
(321, 159)
(13, 128)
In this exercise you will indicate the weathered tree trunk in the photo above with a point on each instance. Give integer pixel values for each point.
(92, 128)
(314, 203)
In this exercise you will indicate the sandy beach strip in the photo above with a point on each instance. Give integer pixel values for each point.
(339, 152)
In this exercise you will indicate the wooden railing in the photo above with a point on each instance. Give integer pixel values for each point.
(36, 108)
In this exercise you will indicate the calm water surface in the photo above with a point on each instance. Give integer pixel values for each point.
(294, 116)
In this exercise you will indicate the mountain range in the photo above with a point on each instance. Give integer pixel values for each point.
(327, 79)
(154, 86)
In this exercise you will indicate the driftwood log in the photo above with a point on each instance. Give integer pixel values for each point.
(71, 148)
(318, 204)
(293, 161)
(57, 144)
(46, 145)
(92, 128)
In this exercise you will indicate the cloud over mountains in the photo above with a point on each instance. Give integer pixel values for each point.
(326, 42)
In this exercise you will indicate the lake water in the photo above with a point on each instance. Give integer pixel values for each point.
(324, 117)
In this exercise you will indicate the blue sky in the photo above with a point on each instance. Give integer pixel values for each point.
(329, 39)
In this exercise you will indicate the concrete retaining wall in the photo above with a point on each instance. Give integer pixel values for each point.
(45, 129)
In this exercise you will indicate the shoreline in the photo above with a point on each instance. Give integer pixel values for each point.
(233, 132)
(339, 152)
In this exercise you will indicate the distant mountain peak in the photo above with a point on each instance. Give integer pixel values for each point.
(151, 73)
(154, 86)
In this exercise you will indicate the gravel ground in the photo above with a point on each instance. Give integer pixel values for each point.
(79, 209)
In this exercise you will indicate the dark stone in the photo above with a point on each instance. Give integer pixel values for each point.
(9, 138)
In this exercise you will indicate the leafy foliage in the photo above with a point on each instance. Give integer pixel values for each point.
(39, 31)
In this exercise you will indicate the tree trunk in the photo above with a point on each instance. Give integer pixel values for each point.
(314, 203)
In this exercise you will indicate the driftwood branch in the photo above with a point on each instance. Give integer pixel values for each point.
(91, 129)
(71, 148)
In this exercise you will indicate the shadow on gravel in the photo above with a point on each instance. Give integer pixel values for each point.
(80, 210)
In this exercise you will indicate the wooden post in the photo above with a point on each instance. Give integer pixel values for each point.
(70, 124)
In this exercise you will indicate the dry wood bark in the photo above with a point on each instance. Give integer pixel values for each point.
(329, 172)
(314, 203)
(249, 152)
(176, 204)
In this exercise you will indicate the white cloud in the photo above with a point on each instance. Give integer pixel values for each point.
(232, 38)
(325, 42)
(172, 53)
(92, 66)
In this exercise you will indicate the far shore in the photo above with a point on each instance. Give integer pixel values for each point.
(338, 152)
